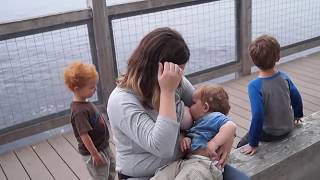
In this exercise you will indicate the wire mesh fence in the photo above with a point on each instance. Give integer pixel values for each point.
(209, 30)
(31, 73)
(289, 21)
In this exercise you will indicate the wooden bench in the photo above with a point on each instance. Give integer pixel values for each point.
(294, 158)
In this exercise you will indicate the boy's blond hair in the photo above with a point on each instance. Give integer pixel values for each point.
(265, 52)
(216, 97)
(77, 74)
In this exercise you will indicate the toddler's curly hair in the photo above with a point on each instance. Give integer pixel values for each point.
(77, 74)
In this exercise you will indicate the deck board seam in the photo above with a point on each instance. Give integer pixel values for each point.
(63, 160)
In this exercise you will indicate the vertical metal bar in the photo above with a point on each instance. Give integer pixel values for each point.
(243, 34)
(103, 44)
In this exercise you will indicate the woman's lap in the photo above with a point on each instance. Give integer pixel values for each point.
(231, 173)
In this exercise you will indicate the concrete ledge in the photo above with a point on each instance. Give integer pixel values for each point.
(294, 158)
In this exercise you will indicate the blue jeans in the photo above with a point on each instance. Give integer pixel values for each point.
(231, 173)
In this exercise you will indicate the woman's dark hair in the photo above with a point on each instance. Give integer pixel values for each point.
(160, 45)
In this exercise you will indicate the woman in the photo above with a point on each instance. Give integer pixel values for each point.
(143, 112)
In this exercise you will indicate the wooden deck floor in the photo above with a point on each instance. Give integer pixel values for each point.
(57, 158)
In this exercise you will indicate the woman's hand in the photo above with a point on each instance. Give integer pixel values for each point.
(169, 77)
(224, 151)
(222, 143)
(220, 153)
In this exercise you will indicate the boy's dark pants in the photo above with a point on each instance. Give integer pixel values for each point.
(264, 137)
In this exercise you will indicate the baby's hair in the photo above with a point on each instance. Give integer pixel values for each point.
(77, 74)
(216, 97)
(265, 52)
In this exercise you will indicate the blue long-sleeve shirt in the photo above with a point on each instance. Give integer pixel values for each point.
(275, 102)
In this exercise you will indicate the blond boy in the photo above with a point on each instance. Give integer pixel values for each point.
(88, 123)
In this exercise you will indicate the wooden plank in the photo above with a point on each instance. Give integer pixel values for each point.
(103, 43)
(244, 113)
(44, 21)
(70, 156)
(32, 164)
(300, 46)
(12, 167)
(71, 139)
(306, 85)
(314, 56)
(34, 126)
(313, 61)
(236, 100)
(243, 34)
(145, 5)
(308, 65)
(312, 99)
(241, 131)
(310, 106)
(237, 86)
(57, 167)
(245, 80)
(307, 112)
(236, 93)
(301, 74)
(2, 175)
(303, 81)
(240, 85)
(215, 72)
(244, 123)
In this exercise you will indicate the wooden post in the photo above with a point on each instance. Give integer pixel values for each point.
(243, 33)
(103, 44)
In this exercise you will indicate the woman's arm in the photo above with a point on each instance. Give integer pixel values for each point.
(220, 146)
(169, 77)
(226, 132)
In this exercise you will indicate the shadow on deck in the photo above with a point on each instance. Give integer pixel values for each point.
(57, 158)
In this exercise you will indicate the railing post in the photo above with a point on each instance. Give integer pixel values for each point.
(103, 44)
(243, 33)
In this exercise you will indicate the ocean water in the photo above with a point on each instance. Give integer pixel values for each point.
(31, 67)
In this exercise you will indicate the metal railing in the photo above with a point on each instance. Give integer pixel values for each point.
(217, 32)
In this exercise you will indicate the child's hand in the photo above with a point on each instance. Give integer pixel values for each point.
(185, 144)
(247, 149)
(98, 159)
(297, 122)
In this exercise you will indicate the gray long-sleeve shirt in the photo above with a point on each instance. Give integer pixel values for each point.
(144, 141)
